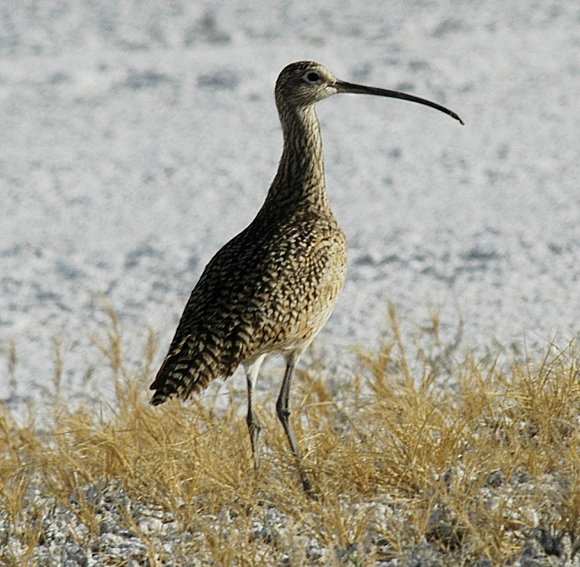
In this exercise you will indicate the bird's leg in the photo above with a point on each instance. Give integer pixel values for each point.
(284, 414)
(254, 426)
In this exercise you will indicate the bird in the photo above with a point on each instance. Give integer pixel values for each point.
(271, 289)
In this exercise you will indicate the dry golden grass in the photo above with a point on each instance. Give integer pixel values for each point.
(470, 458)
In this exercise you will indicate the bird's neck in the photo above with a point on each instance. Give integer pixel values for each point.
(300, 176)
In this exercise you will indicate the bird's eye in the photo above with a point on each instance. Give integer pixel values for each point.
(312, 77)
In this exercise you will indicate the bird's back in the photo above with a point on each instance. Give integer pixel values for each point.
(269, 289)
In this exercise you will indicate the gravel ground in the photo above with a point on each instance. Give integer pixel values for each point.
(127, 530)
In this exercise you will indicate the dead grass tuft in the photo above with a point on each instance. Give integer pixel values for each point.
(471, 458)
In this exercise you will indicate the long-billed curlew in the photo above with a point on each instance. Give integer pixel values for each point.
(272, 287)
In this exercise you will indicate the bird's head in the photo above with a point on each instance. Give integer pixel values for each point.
(304, 83)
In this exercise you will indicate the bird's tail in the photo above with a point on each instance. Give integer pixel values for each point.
(171, 380)
(188, 368)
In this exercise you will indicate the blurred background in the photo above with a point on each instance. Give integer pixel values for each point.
(138, 137)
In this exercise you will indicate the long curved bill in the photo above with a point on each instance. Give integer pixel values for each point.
(345, 87)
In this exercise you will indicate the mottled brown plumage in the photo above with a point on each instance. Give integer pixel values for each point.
(272, 287)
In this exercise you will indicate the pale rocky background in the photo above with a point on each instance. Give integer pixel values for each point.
(138, 137)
